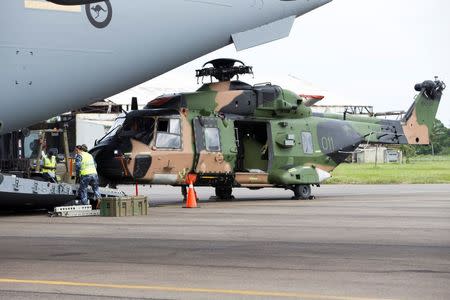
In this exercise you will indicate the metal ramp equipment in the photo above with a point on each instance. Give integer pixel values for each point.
(75, 211)
(21, 193)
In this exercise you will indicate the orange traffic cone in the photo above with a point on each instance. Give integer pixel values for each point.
(191, 201)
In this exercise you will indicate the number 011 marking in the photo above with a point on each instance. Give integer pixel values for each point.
(327, 143)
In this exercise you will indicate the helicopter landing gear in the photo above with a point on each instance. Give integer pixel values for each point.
(184, 193)
(224, 193)
(302, 192)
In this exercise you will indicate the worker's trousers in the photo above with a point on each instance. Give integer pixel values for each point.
(85, 181)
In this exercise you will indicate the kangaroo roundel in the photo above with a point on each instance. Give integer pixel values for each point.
(99, 14)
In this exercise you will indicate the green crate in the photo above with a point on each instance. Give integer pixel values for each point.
(140, 206)
(116, 207)
(109, 207)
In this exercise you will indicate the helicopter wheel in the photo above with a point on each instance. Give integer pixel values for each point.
(224, 193)
(302, 191)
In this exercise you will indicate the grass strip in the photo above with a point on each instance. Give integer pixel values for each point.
(420, 171)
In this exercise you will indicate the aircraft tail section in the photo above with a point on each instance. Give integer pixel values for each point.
(418, 121)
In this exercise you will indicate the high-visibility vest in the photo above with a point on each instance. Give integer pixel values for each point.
(49, 165)
(87, 164)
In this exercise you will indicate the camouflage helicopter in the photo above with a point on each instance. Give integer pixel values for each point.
(234, 135)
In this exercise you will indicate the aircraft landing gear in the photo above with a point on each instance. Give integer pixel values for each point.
(224, 193)
(302, 192)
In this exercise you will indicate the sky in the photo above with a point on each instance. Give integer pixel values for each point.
(358, 52)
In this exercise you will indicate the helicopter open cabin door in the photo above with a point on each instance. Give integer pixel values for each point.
(254, 153)
(215, 146)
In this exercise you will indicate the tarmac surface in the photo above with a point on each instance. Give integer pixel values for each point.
(352, 242)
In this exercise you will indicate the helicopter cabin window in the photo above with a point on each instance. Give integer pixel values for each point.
(307, 143)
(168, 135)
(212, 139)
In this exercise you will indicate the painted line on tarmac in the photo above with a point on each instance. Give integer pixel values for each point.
(186, 290)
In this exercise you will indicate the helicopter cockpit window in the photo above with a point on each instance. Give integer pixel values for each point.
(139, 128)
(212, 139)
(307, 143)
(144, 129)
(114, 128)
(168, 135)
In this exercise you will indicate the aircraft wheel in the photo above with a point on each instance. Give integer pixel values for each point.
(302, 191)
(224, 193)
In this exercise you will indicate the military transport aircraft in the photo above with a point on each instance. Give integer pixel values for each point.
(59, 55)
(231, 134)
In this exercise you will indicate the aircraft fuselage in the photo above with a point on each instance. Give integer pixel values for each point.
(57, 58)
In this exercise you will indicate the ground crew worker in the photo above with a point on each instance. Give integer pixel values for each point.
(49, 166)
(87, 173)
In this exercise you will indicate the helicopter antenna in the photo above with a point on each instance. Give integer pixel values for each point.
(223, 69)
